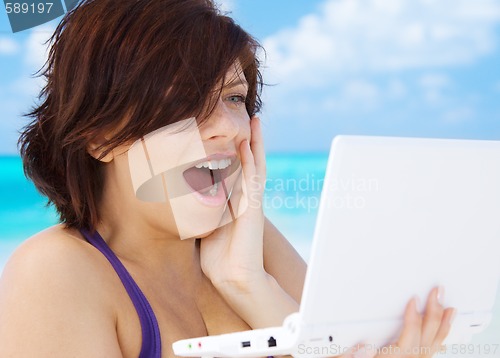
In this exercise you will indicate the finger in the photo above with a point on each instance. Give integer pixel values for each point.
(257, 146)
(391, 350)
(412, 326)
(247, 160)
(254, 182)
(433, 316)
(252, 187)
(446, 323)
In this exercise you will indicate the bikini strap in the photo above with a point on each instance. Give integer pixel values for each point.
(151, 339)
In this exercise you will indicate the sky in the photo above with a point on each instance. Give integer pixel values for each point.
(419, 68)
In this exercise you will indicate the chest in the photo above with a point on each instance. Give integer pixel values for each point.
(180, 315)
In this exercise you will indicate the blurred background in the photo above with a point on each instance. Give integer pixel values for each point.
(421, 68)
(427, 68)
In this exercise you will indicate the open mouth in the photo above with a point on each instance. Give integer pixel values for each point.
(208, 177)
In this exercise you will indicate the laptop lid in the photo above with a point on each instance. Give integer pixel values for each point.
(397, 217)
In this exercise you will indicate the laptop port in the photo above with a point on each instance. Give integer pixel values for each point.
(245, 344)
(271, 342)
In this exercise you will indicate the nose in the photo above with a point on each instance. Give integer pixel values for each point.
(222, 124)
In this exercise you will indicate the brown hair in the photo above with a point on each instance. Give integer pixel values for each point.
(151, 62)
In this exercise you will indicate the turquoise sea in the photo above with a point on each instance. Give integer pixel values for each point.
(291, 201)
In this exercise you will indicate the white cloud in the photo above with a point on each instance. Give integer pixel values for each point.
(458, 115)
(379, 65)
(20, 94)
(373, 36)
(359, 94)
(34, 55)
(433, 86)
(225, 5)
(36, 51)
(26, 86)
(396, 89)
(434, 80)
(8, 46)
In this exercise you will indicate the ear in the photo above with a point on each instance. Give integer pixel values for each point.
(96, 149)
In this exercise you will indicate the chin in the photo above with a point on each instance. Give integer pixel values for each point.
(202, 236)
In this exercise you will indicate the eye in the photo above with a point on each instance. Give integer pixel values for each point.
(236, 99)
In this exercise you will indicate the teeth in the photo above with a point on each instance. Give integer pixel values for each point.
(215, 164)
(213, 191)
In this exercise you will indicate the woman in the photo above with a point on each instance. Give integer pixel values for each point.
(124, 274)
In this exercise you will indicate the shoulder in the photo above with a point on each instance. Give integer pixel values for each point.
(58, 253)
(54, 285)
(55, 259)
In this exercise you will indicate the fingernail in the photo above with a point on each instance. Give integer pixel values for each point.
(440, 295)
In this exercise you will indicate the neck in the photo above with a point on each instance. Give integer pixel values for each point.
(147, 248)
(151, 249)
(133, 231)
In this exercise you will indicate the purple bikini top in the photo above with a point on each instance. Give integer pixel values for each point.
(151, 339)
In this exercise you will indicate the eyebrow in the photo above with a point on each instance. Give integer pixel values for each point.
(238, 82)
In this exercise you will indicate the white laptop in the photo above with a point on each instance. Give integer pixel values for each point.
(397, 217)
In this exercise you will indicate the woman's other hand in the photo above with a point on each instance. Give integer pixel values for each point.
(422, 335)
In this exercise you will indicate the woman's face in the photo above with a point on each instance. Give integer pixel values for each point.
(186, 178)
